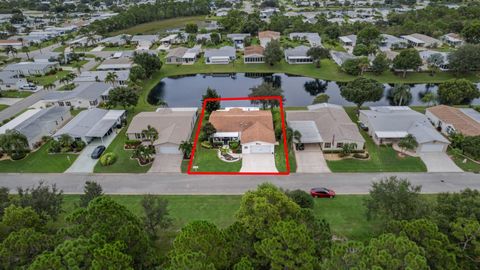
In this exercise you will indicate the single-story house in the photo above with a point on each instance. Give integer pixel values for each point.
(266, 36)
(203, 37)
(10, 80)
(253, 55)
(31, 68)
(10, 42)
(85, 41)
(298, 55)
(191, 55)
(117, 40)
(223, 55)
(388, 42)
(177, 38)
(47, 57)
(451, 120)
(313, 38)
(389, 124)
(252, 127)
(100, 75)
(36, 123)
(327, 125)
(340, 57)
(123, 63)
(421, 40)
(426, 54)
(174, 125)
(175, 55)
(92, 124)
(238, 39)
(453, 39)
(144, 42)
(85, 95)
(349, 40)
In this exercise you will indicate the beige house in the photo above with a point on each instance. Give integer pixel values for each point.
(450, 120)
(327, 125)
(174, 125)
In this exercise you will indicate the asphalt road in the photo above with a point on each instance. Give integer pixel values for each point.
(155, 183)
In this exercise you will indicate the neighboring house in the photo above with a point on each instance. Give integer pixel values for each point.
(425, 55)
(10, 80)
(349, 40)
(298, 55)
(174, 125)
(453, 39)
(253, 55)
(340, 57)
(238, 39)
(85, 41)
(47, 57)
(118, 40)
(252, 127)
(389, 124)
(9, 42)
(32, 68)
(313, 38)
(388, 42)
(92, 124)
(177, 38)
(203, 37)
(123, 63)
(36, 123)
(421, 40)
(266, 36)
(327, 125)
(191, 55)
(175, 55)
(223, 55)
(144, 42)
(85, 95)
(450, 120)
(99, 76)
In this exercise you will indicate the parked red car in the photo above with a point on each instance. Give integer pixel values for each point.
(322, 193)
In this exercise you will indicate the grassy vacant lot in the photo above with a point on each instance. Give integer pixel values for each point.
(280, 159)
(208, 161)
(159, 26)
(382, 158)
(39, 161)
(44, 80)
(345, 213)
(15, 94)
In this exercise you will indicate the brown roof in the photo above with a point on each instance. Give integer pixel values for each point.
(253, 125)
(460, 121)
(269, 34)
(255, 49)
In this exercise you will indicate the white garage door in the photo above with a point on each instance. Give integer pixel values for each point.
(430, 147)
(167, 149)
(260, 149)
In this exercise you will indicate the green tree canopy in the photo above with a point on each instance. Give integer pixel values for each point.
(362, 90)
(273, 52)
(457, 91)
(122, 96)
(408, 59)
(211, 106)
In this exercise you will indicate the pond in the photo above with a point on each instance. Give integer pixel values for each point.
(187, 91)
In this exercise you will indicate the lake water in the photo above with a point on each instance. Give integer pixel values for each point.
(187, 91)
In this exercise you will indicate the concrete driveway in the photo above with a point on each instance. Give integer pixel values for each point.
(84, 163)
(311, 160)
(439, 162)
(258, 163)
(166, 163)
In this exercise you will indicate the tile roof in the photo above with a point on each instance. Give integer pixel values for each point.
(269, 34)
(454, 116)
(253, 50)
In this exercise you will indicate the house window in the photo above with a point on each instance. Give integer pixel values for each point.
(327, 145)
(339, 145)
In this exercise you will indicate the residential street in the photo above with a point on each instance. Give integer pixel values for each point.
(342, 183)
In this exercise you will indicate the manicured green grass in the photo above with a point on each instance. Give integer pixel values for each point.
(120, 48)
(345, 213)
(15, 94)
(124, 163)
(468, 166)
(280, 161)
(159, 26)
(382, 158)
(60, 49)
(44, 80)
(39, 161)
(3, 107)
(207, 161)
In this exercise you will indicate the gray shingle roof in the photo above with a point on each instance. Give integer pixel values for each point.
(224, 51)
(300, 51)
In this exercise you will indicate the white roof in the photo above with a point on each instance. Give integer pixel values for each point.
(18, 120)
(226, 134)
(308, 129)
(391, 134)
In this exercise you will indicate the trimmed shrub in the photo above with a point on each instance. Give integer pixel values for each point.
(18, 156)
(108, 159)
(300, 197)
(234, 145)
(132, 144)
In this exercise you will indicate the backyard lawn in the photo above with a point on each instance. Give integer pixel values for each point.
(39, 161)
(207, 161)
(382, 158)
(44, 80)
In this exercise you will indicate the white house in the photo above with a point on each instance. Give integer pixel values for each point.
(298, 55)
(31, 68)
(223, 55)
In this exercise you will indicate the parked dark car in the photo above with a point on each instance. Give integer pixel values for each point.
(97, 152)
(363, 126)
(322, 193)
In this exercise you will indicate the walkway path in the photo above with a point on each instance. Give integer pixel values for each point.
(342, 183)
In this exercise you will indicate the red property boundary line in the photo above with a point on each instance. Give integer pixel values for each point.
(284, 135)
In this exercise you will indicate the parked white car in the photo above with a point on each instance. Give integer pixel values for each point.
(28, 86)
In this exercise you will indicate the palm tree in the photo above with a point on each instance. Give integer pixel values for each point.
(49, 86)
(25, 50)
(111, 78)
(401, 93)
(150, 134)
(429, 98)
(13, 142)
(297, 136)
(65, 140)
(8, 49)
(90, 39)
(186, 148)
(409, 142)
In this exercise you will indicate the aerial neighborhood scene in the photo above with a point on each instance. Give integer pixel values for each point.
(240, 134)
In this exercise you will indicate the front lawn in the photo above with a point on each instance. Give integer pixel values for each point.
(468, 165)
(120, 48)
(39, 161)
(15, 94)
(48, 79)
(382, 158)
(280, 161)
(207, 161)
